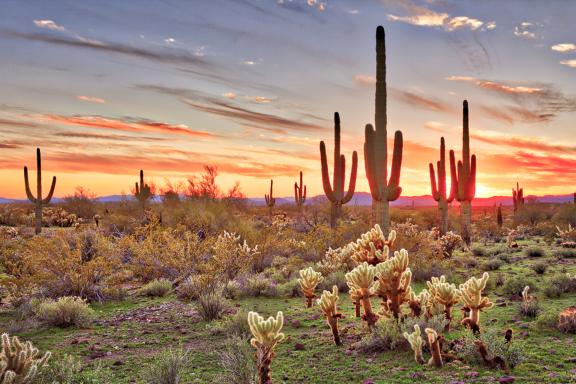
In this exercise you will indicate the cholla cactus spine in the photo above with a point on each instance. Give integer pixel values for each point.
(471, 295)
(327, 302)
(394, 278)
(308, 281)
(416, 342)
(266, 336)
(434, 345)
(439, 189)
(38, 201)
(382, 188)
(19, 362)
(464, 175)
(335, 192)
(361, 280)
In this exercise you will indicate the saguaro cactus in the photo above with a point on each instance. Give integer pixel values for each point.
(266, 335)
(142, 191)
(439, 189)
(38, 200)
(327, 303)
(517, 197)
(270, 199)
(499, 219)
(464, 175)
(300, 196)
(383, 190)
(335, 191)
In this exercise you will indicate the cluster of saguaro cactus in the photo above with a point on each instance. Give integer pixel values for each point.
(471, 296)
(308, 281)
(38, 200)
(142, 192)
(362, 285)
(300, 196)
(439, 188)
(382, 188)
(517, 197)
(266, 336)
(415, 341)
(445, 294)
(373, 246)
(464, 176)
(335, 191)
(19, 362)
(327, 302)
(270, 199)
(393, 283)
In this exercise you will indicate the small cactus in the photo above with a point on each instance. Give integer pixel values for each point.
(434, 344)
(300, 196)
(517, 197)
(361, 281)
(444, 294)
(416, 342)
(471, 295)
(38, 200)
(308, 281)
(373, 246)
(19, 362)
(266, 336)
(499, 219)
(327, 302)
(270, 199)
(142, 192)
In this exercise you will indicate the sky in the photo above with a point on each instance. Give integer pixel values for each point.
(106, 88)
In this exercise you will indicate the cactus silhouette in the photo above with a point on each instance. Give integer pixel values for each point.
(383, 189)
(464, 175)
(499, 219)
(300, 196)
(270, 200)
(38, 200)
(335, 192)
(142, 192)
(517, 197)
(439, 189)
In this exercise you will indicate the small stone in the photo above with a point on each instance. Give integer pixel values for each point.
(299, 347)
(506, 379)
(295, 323)
(471, 374)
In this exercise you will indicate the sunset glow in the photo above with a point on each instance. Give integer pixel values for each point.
(111, 87)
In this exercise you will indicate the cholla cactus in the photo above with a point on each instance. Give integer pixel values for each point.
(415, 341)
(231, 256)
(567, 320)
(327, 302)
(19, 362)
(335, 260)
(444, 294)
(449, 242)
(511, 239)
(471, 295)
(355, 296)
(526, 297)
(361, 281)
(373, 246)
(308, 281)
(434, 345)
(419, 303)
(266, 335)
(394, 278)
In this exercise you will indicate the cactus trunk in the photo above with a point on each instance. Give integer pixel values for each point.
(38, 200)
(265, 360)
(465, 217)
(443, 210)
(333, 323)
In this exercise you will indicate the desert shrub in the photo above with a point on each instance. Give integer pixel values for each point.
(81, 203)
(496, 345)
(468, 261)
(211, 306)
(530, 308)
(424, 250)
(559, 284)
(336, 278)
(498, 250)
(168, 367)
(534, 251)
(515, 284)
(70, 370)
(386, 335)
(433, 269)
(290, 288)
(504, 257)
(64, 312)
(567, 320)
(566, 214)
(531, 214)
(449, 242)
(194, 285)
(436, 322)
(233, 290)
(231, 257)
(545, 321)
(553, 291)
(54, 267)
(492, 265)
(565, 253)
(259, 285)
(237, 362)
(235, 325)
(479, 251)
(156, 288)
(540, 267)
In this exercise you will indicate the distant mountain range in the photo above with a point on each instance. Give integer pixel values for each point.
(361, 199)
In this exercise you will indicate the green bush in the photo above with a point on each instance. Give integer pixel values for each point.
(156, 288)
(492, 265)
(478, 251)
(540, 267)
(237, 362)
(514, 285)
(70, 370)
(168, 367)
(530, 309)
(565, 253)
(386, 335)
(211, 306)
(534, 251)
(496, 345)
(64, 312)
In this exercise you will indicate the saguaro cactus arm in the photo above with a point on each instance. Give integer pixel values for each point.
(300, 192)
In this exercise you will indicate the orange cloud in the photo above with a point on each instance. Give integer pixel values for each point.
(532, 143)
(422, 101)
(91, 99)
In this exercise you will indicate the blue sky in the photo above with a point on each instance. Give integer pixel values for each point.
(109, 87)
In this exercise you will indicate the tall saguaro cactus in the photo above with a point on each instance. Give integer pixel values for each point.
(270, 200)
(142, 192)
(464, 174)
(439, 189)
(383, 189)
(517, 197)
(38, 200)
(300, 196)
(335, 191)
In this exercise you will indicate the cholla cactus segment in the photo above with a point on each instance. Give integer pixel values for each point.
(471, 295)
(308, 281)
(434, 345)
(416, 342)
(335, 260)
(525, 295)
(361, 281)
(394, 278)
(446, 295)
(19, 362)
(373, 246)
(419, 303)
(266, 335)
(327, 303)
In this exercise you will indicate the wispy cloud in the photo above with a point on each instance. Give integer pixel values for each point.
(522, 142)
(91, 99)
(422, 101)
(569, 63)
(528, 30)
(564, 48)
(365, 79)
(53, 26)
